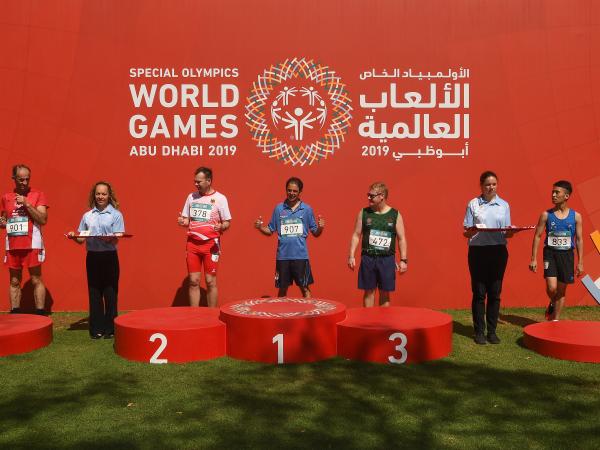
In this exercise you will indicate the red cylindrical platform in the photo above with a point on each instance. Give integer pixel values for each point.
(282, 330)
(573, 340)
(395, 335)
(165, 335)
(22, 333)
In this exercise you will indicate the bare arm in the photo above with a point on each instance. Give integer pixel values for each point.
(402, 245)
(539, 229)
(221, 227)
(39, 214)
(579, 243)
(183, 221)
(320, 226)
(259, 225)
(354, 240)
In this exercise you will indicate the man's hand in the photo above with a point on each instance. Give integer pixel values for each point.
(533, 266)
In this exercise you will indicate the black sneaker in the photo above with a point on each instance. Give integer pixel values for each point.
(492, 338)
(480, 339)
(549, 311)
(109, 336)
(96, 336)
(15, 311)
(40, 312)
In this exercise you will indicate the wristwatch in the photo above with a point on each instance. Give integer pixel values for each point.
(404, 260)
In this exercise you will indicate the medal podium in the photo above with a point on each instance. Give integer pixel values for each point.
(395, 335)
(23, 333)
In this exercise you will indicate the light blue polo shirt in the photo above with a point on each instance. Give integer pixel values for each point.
(493, 214)
(292, 238)
(102, 223)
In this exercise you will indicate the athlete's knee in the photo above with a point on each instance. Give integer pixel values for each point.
(211, 282)
(194, 282)
(15, 282)
(36, 280)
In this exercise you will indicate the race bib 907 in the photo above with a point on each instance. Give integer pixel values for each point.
(292, 227)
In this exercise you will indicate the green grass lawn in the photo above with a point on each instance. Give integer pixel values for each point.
(77, 393)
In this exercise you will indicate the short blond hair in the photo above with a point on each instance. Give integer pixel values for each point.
(380, 186)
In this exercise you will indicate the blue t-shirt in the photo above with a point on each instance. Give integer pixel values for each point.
(559, 229)
(492, 214)
(292, 227)
(102, 223)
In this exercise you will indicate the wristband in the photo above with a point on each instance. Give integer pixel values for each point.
(404, 260)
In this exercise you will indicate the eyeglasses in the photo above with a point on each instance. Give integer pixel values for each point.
(372, 196)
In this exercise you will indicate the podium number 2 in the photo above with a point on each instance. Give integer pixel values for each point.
(154, 359)
(401, 347)
(278, 339)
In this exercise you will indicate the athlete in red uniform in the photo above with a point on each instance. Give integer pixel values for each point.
(22, 213)
(206, 215)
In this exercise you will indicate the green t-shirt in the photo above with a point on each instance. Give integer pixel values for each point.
(379, 232)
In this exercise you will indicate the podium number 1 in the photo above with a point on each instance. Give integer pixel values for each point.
(400, 347)
(154, 359)
(278, 339)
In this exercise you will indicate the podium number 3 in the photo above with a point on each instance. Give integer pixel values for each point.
(278, 339)
(154, 359)
(401, 347)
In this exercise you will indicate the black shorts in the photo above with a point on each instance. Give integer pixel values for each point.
(293, 270)
(559, 264)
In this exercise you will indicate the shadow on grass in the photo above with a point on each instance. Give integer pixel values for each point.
(81, 324)
(332, 404)
(462, 329)
(517, 320)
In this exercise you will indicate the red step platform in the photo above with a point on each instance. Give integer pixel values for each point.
(170, 335)
(573, 340)
(282, 330)
(395, 335)
(22, 333)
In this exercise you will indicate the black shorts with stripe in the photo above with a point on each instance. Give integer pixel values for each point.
(293, 270)
(559, 264)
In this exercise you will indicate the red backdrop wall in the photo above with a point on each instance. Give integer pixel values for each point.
(65, 107)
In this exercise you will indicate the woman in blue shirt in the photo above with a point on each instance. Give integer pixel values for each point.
(105, 222)
(487, 255)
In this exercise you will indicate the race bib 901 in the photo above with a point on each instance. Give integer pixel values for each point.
(17, 226)
(380, 240)
(292, 227)
(200, 212)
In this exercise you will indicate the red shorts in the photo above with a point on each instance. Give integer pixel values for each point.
(17, 259)
(203, 254)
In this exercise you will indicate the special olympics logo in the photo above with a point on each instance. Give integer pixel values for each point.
(298, 112)
(247, 307)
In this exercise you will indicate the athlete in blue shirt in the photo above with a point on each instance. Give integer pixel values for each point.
(292, 220)
(564, 232)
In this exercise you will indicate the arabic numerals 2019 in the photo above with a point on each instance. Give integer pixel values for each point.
(221, 150)
(375, 150)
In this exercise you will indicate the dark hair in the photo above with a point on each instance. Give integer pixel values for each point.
(566, 185)
(112, 198)
(295, 180)
(204, 170)
(485, 175)
(18, 167)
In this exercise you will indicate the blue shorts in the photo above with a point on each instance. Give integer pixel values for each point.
(377, 272)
